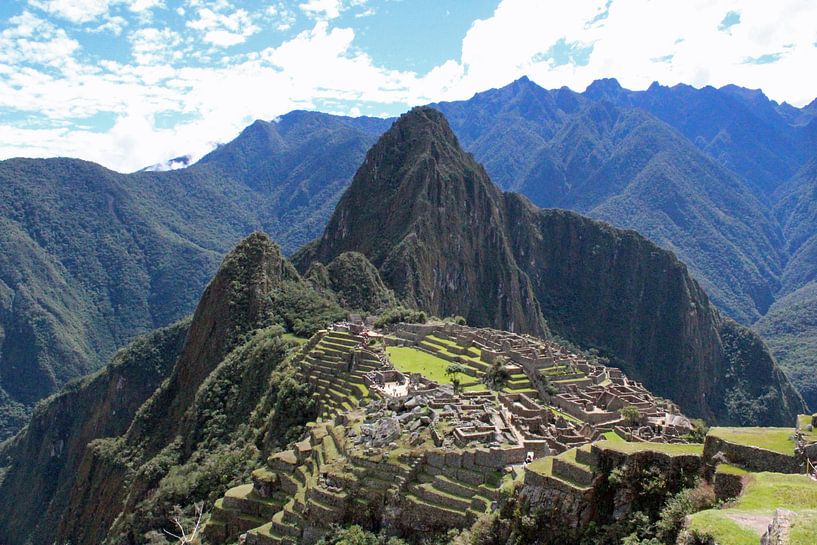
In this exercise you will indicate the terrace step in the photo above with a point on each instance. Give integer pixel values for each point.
(244, 499)
(265, 535)
(431, 510)
(281, 527)
(433, 495)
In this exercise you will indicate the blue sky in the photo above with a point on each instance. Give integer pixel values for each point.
(128, 83)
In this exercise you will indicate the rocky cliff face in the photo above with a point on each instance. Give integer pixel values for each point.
(444, 237)
(114, 476)
(39, 464)
(425, 213)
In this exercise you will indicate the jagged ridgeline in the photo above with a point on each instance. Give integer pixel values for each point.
(181, 413)
(449, 241)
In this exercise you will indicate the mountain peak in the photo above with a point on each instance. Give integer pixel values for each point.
(604, 88)
(423, 122)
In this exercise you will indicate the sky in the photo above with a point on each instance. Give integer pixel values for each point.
(130, 83)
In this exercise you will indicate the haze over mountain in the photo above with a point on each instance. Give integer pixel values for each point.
(718, 176)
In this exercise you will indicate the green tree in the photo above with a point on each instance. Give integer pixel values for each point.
(497, 376)
(631, 415)
(453, 372)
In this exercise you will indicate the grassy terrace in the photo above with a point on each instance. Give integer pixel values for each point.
(412, 360)
(755, 508)
(664, 448)
(730, 470)
(774, 439)
(612, 436)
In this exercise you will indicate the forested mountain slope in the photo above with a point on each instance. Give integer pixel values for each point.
(92, 258)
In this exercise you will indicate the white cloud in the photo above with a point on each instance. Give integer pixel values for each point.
(84, 11)
(154, 46)
(115, 25)
(322, 9)
(636, 41)
(34, 40)
(640, 41)
(223, 29)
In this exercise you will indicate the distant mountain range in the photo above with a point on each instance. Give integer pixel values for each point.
(725, 178)
(190, 410)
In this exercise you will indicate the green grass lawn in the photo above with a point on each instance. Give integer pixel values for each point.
(730, 470)
(804, 528)
(764, 493)
(670, 449)
(293, 337)
(612, 436)
(775, 439)
(412, 360)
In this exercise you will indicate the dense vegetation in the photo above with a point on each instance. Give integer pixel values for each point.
(176, 418)
(95, 258)
(40, 464)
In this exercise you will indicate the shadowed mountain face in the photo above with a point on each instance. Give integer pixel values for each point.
(719, 176)
(648, 161)
(444, 237)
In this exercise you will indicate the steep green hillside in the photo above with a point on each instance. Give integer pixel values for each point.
(91, 264)
(447, 240)
(39, 465)
(96, 258)
(790, 329)
(112, 455)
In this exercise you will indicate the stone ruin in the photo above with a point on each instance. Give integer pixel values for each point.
(588, 398)
(419, 454)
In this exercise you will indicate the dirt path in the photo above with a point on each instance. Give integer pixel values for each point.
(758, 523)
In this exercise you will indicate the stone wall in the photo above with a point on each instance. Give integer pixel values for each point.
(750, 458)
(727, 485)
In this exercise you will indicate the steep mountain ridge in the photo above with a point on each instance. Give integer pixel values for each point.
(594, 284)
(608, 155)
(40, 463)
(229, 348)
(179, 415)
(434, 196)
